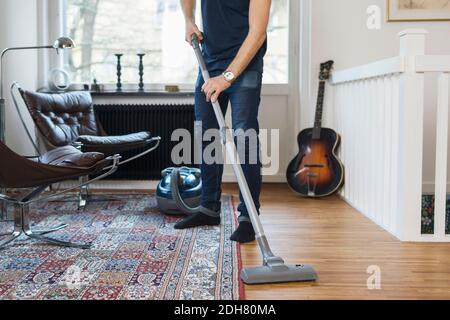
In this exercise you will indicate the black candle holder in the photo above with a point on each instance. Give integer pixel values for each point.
(119, 72)
(141, 71)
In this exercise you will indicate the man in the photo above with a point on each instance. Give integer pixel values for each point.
(234, 45)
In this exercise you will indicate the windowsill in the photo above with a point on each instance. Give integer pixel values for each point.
(159, 90)
(181, 94)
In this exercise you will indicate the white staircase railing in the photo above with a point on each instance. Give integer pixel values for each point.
(379, 110)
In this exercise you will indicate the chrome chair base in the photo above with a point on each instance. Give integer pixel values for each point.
(84, 193)
(3, 207)
(22, 226)
(21, 210)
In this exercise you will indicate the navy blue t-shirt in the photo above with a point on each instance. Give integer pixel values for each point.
(225, 27)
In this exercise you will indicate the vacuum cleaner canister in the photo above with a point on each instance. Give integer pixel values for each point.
(189, 186)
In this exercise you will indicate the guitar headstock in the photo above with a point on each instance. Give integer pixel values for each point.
(325, 70)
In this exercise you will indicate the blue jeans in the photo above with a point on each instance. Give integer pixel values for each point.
(245, 97)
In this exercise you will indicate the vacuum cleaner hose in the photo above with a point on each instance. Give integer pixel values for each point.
(175, 190)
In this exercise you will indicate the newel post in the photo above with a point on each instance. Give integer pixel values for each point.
(410, 148)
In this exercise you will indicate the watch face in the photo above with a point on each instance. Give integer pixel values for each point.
(229, 76)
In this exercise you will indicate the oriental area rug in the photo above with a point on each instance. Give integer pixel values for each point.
(135, 254)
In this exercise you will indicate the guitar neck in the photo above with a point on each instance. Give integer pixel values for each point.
(319, 106)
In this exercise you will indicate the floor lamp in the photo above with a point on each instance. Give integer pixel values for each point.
(60, 43)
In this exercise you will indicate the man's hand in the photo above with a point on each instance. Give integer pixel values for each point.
(214, 87)
(191, 28)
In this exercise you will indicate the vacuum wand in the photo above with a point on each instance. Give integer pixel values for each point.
(274, 268)
(228, 141)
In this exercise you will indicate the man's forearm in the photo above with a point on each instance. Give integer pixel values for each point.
(188, 7)
(246, 53)
(258, 20)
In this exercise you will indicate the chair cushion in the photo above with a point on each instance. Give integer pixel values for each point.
(69, 156)
(114, 144)
(61, 118)
(55, 166)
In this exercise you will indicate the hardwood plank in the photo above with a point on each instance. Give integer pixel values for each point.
(341, 243)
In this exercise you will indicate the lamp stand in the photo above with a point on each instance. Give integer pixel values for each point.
(60, 43)
(3, 206)
(2, 119)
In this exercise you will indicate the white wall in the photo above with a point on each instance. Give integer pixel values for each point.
(339, 32)
(275, 112)
(18, 27)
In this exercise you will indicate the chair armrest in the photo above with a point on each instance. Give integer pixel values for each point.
(156, 140)
(115, 144)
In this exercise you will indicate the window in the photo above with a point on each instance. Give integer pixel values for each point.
(103, 28)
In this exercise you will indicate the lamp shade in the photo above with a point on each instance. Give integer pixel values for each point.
(64, 43)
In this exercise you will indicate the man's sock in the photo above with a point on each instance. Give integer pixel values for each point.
(197, 220)
(244, 233)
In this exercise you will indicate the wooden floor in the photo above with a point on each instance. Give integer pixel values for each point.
(341, 244)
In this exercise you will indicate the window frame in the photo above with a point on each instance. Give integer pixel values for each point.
(57, 24)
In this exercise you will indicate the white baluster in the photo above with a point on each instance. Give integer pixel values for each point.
(410, 154)
(350, 141)
(379, 135)
(441, 155)
(345, 140)
(372, 125)
(338, 120)
(387, 151)
(394, 159)
(365, 148)
(357, 146)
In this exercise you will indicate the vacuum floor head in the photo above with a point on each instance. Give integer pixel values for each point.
(289, 273)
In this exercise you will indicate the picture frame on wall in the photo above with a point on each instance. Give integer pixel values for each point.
(418, 10)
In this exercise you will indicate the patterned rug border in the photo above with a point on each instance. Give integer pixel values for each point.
(238, 250)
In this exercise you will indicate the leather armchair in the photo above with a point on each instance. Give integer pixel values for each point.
(69, 119)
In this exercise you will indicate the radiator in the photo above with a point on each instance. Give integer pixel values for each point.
(160, 120)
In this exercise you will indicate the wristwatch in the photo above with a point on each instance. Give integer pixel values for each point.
(229, 76)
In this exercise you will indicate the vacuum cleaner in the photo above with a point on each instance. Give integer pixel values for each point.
(187, 188)
(274, 269)
(180, 191)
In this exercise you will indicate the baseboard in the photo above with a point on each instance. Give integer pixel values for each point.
(116, 185)
(139, 185)
(279, 178)
(427, 187)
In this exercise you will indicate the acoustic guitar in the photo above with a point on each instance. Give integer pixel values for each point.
(316, 171)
